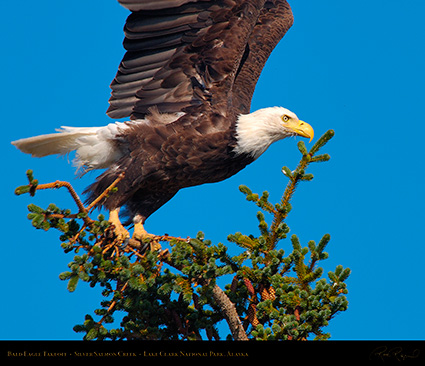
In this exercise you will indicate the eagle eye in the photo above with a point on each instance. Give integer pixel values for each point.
(285, 118)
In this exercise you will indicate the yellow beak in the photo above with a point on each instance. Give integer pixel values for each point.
(301, 128)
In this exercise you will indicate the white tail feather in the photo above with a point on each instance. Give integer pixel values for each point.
(60, 143)
(93, 145)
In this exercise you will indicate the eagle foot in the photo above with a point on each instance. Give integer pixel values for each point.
(140, 235)
(141, 239)
(120, 231)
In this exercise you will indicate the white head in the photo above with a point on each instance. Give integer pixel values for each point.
(258, 130)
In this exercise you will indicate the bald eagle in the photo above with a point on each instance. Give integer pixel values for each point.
(186, 82)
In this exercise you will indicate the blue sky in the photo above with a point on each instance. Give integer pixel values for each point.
(356, 68)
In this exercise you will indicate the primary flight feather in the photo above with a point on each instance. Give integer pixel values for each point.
(186, 82)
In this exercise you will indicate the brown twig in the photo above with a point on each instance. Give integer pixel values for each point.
(77, 200)
(81, 209)
(105, 193)
(59, 184)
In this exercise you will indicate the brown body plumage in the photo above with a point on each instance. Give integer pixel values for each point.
(163, 158)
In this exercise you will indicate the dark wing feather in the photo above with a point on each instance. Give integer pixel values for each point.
(137, 5)
(274, 21)
(180, 53)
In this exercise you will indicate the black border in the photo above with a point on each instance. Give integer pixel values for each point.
(150, 352)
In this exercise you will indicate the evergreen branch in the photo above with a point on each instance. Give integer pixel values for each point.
(222, 300)
(295, 177)
(113, 304)
(83, 211)
(34, 186)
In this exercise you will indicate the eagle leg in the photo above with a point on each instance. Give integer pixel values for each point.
(121, 233)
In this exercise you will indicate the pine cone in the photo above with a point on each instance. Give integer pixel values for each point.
(249, 286)
(268, 294)
(252, 315)
(234, 284)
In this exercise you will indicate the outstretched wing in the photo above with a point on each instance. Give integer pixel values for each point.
(181, 53)
(274, 21)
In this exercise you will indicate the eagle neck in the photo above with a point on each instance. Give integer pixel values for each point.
(255, 133)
